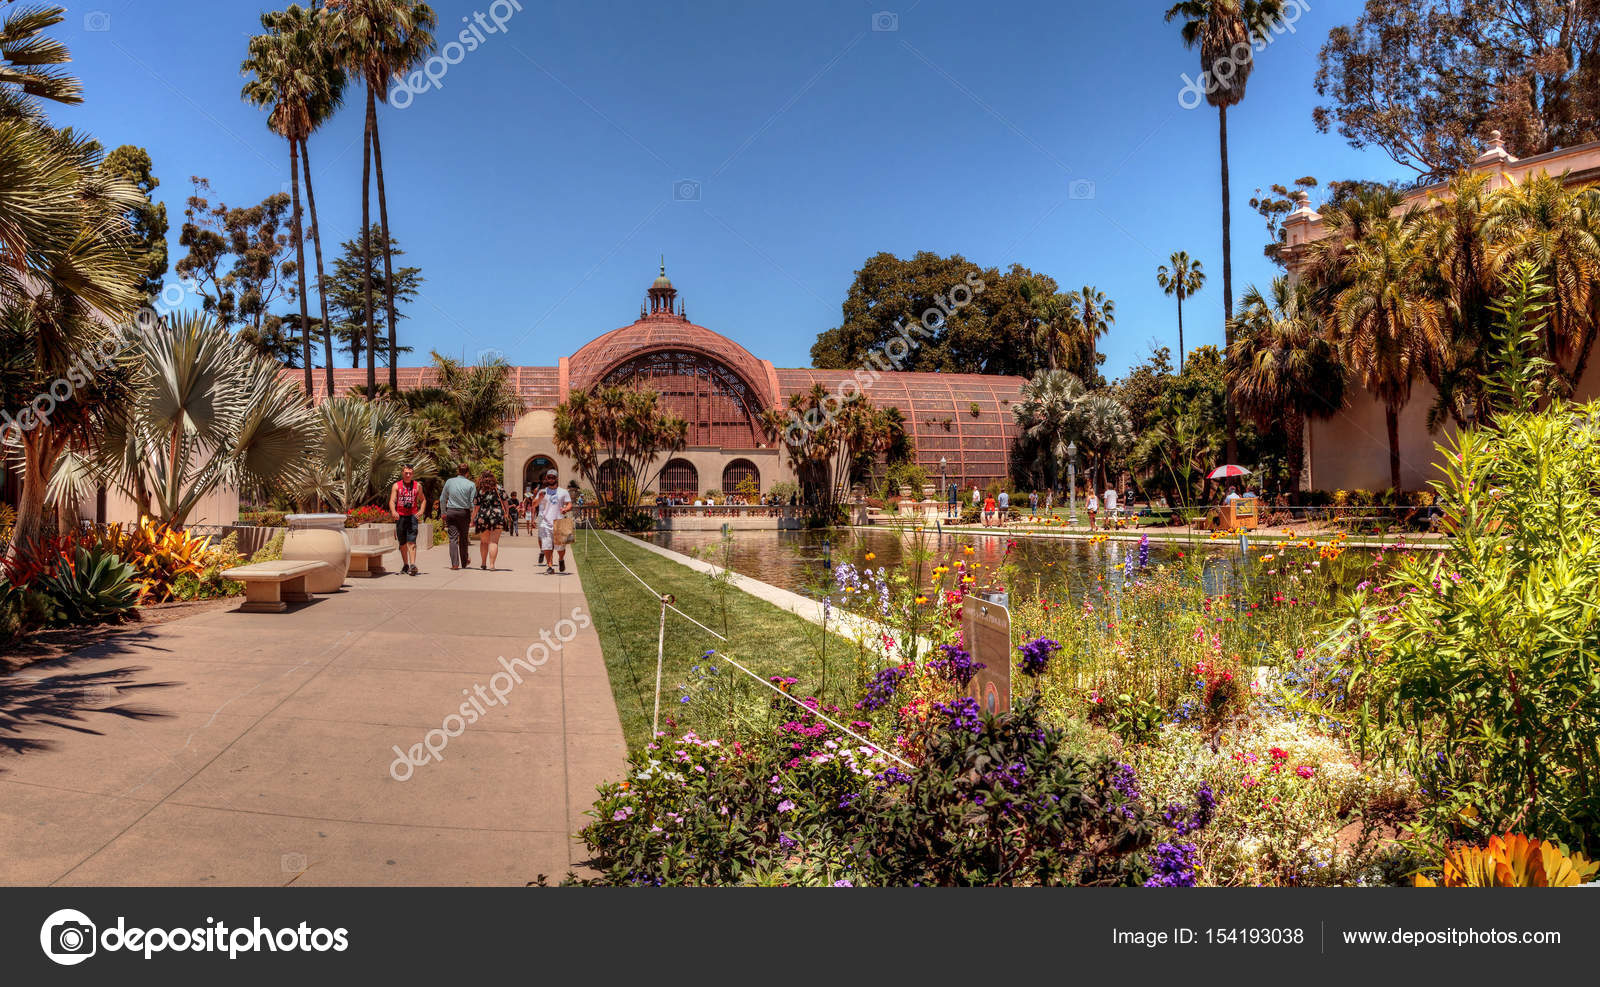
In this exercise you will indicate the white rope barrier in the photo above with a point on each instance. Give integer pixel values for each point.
(735, 663)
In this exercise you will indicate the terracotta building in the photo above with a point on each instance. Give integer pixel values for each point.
(720, 388)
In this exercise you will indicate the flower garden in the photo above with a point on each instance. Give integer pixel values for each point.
(1322, 716)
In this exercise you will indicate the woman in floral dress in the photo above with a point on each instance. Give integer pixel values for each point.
(488, 520)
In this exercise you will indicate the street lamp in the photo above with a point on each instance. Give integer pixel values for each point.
(944, 482)
(1072, 483)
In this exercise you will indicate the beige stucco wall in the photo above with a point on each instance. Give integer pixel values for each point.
(221, 506)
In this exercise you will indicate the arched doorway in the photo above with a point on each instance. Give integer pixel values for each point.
(737, 472)
(616, 482)
(679, 478)
(533, 473)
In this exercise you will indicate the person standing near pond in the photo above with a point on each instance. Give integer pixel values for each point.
(1005, 508)
(488, 520)
(954, 496)
(1110, 500)
(455, 501)
(1091, 503)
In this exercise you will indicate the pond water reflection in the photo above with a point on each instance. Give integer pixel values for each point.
(1052, 568)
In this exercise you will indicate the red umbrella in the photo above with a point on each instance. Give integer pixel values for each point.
(1225, 471)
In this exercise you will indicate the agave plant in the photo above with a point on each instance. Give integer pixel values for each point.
(205, 413)
(364, 445)
(91, 586)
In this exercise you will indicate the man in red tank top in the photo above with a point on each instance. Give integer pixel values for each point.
(406, 503)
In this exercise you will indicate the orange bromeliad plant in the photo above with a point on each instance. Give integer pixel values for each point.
(1514, 861)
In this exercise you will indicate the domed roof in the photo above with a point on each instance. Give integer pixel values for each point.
(654, 333)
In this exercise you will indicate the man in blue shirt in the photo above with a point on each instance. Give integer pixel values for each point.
(455, 500)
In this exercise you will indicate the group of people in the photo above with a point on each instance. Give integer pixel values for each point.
(994, 509)
(482, 507)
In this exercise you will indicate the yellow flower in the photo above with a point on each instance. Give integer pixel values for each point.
(921, 600)
(870, 556)
(969, 550)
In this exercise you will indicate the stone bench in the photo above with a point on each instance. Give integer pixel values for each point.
(269, 587)
(366, 561)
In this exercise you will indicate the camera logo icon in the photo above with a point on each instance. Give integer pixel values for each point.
(97, 20)
(68, 937)
(687, 190)
(886, 20)
(1081, 188)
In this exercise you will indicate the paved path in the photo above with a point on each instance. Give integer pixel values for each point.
(256, 749)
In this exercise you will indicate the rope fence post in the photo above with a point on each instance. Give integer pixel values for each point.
(661, 643)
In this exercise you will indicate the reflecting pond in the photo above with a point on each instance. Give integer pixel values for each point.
(1047, 567)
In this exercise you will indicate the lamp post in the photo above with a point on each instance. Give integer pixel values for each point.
(944, 481)
(1072, 484)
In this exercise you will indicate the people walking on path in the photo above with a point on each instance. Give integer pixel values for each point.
(988, 511)
(553, 504)
(1110, 500)
(1091, 503)
(488, 520)
(406, 503)
(513, 513)
(1004, 505)
(455, 503)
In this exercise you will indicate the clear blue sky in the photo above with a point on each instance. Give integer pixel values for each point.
(536, 188)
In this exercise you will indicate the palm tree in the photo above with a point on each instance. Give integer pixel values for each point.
(1281, 368)
(1557, 229)
(1224, 30)
(364, 445)
(1092, 316)
(206, 412)
(1045, 413)
(1104, 429)
(29, 63)
(381, 40)
(1182, 279)
(1452, 234)
(1390, 328)
(283, 81)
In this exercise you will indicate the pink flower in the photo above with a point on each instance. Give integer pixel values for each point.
(1305, 771)
(1249, 781)
(787, 805)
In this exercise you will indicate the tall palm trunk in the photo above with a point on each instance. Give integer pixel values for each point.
(366, 242)
(39, 452)
(1227, 275)
(322, 295)
(388, 259)
(1180, 332)
(300, 260)
(1391, 419)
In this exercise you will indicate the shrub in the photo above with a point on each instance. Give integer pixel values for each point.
(272, 551)
(263, 519)
(158, 554)
(1476, 669)
(369, 514)
(22, 611)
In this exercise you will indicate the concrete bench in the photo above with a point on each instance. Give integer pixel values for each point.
(269, 587)
(366, 561)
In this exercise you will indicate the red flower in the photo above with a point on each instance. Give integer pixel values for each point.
(1279, 754)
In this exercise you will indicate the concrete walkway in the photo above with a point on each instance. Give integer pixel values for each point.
(258, 749)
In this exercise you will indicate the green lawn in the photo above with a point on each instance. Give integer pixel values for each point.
(764, 638)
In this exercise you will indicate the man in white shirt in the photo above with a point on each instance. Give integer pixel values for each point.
(1109, 499)
(551, 504)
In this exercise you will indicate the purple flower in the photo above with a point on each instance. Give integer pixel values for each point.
(843, 884)
(881, 690)
(891, 777)
(1036, 655)
(787, 805)
(1174, 866)
(1144, 552)
(956, 665)
(962, 714)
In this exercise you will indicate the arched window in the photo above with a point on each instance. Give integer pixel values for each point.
(533, 473)
(616, 481)
(679, 478)
(719, 405)
(737, 472)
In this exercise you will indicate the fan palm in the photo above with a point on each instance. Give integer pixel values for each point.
(1045, 413)
(1182, 279)
(1390, 328)
(1452, 234)
(1104, 429)
(1281, 367)
(1092, 317)
(205, 412)
(1224, 31)
(29, 62)
(364, 445)
(380, 40)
